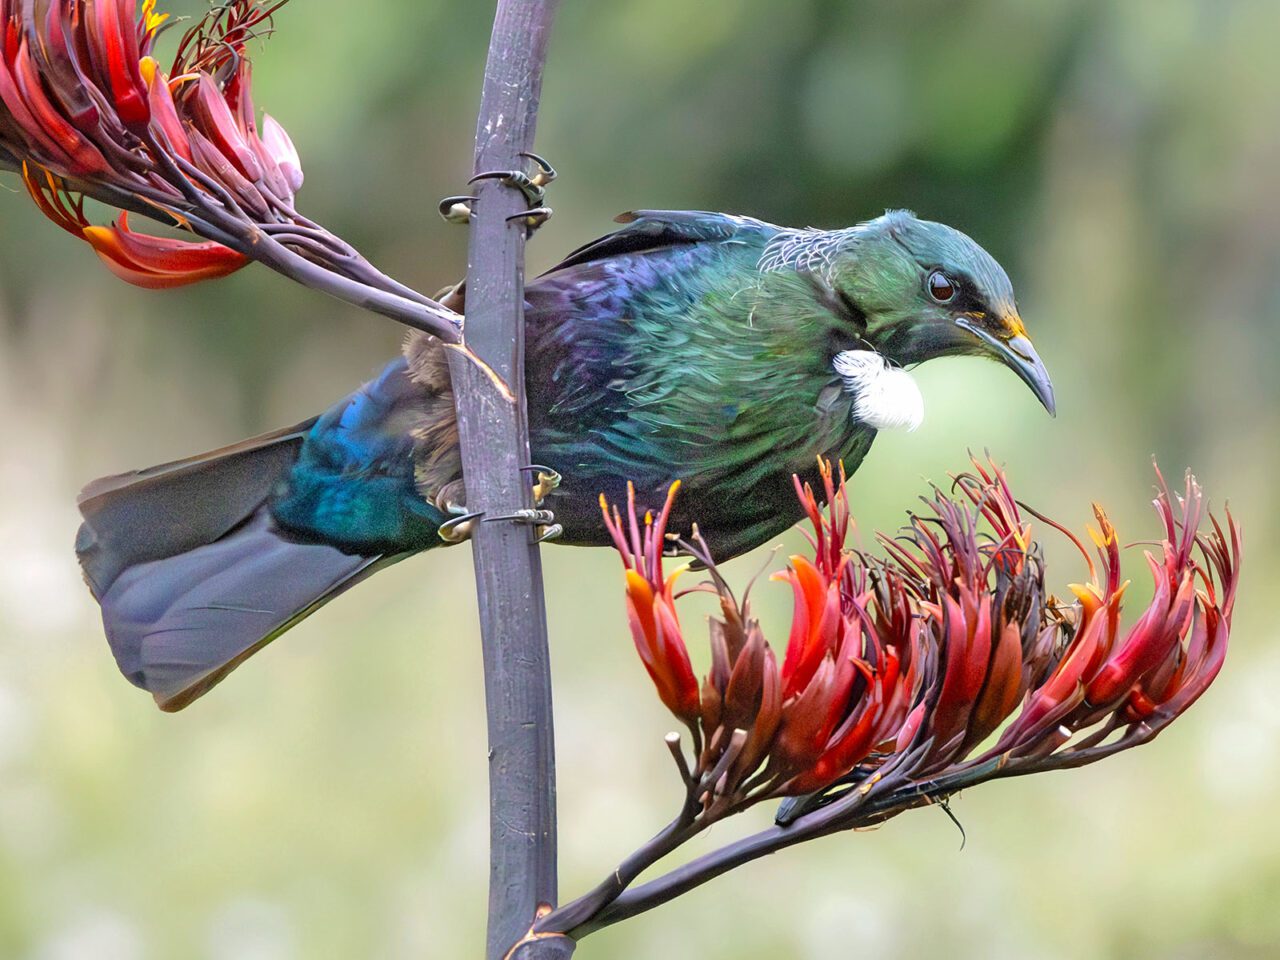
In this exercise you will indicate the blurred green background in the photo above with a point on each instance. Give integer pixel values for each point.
(329, 802)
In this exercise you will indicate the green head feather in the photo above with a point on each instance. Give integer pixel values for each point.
(921, 289)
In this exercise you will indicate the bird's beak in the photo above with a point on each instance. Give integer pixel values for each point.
(1017, 353)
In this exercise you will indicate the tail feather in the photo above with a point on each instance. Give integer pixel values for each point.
(178, 625)
(193, 574)
(200, 563)
(165, 510)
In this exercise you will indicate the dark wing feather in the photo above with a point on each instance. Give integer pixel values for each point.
(647, 230)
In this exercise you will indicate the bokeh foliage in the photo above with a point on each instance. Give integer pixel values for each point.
(329, 802)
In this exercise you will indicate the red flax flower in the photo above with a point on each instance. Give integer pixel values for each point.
(651, 610)
(82, 97)
(86, 109)
(938, 665)
(908, 676)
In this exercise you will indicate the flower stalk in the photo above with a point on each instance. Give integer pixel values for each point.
(494, 440)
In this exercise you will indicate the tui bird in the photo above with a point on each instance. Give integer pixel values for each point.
(717, 350)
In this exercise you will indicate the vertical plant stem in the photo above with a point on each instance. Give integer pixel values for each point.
(495, 445)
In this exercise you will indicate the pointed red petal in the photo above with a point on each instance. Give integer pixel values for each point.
(160, 262)
(219, 125)
(85, 159)
(113, 44)
(164, 113)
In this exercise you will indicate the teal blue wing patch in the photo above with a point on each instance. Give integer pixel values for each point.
(353, 484)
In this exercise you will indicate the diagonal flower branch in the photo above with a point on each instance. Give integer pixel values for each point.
(87, 110)
(939, 665)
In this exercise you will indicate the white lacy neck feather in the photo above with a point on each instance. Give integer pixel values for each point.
(885, 397)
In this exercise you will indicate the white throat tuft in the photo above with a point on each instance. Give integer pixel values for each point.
(885, 397)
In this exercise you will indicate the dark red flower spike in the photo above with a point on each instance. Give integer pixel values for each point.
(898, 668)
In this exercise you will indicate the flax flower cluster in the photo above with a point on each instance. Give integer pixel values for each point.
(83, 98)
(87, 110)
(938, 664)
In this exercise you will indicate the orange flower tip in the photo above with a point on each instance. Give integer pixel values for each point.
(150, 280)
(638, 585)
(678, 572)
(604, 503)
(158, 262)
(1085, 592)
(148, 67)
(99, 236)
(648, 518)
(1101, 540)
(151, 20)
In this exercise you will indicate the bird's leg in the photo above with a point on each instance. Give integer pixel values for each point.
(548, 480)
(533, 186)
(452, 497)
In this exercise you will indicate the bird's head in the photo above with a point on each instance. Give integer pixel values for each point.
(925, 290)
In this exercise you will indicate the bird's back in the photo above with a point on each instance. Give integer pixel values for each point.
(684, 361)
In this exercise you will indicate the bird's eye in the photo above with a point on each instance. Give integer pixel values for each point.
(941, 287)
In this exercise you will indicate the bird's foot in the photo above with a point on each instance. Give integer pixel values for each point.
(543, 522)
(461, 526)
(547, 481)
(533, 185)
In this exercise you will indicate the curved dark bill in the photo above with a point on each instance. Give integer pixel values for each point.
(1020, 356)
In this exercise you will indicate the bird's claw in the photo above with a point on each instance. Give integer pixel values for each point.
(543, 521)
(529, 515)
(460, 527)
(533, 185)
(532, 218)
(456, 209)
(517, 180)
(552, 531)
(547, 481)
(546, 172)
